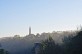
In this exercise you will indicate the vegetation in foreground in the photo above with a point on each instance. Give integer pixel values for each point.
(71, 45)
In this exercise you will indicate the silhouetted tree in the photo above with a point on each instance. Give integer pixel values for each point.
(49, 47)
(73, 45)
(2, 51)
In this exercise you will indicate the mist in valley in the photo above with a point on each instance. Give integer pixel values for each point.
(24, 45)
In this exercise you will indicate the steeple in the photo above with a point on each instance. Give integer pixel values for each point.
(29, 30)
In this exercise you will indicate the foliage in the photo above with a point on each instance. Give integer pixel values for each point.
(49, 47)
(72, 45)
(2, 51)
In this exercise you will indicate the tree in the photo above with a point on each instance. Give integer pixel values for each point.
(74, 46)
(49, 47)
(2, 51)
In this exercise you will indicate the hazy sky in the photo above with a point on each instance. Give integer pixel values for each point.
(42, 15)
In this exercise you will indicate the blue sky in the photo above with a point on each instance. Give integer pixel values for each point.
(42, 15)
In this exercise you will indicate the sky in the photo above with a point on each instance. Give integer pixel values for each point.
(42, 15)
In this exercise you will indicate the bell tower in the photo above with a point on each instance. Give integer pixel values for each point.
(29, 30)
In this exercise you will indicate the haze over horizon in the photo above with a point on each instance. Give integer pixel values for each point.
(42, 15)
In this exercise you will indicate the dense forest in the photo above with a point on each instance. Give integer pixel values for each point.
(37, 44)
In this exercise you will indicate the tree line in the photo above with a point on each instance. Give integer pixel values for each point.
(71, 45)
